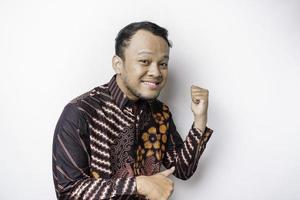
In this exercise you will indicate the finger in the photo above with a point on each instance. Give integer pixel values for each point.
(196, 101)
(169, 180)
(200, 91)
(200, 95)
(195, 86)
(200, 98)
(168, 172)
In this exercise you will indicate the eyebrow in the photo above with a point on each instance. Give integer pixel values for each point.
(148, 52)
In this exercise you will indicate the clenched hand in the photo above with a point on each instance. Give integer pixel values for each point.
(156, 187)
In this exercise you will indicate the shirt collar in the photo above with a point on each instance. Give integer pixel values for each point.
(117, 94)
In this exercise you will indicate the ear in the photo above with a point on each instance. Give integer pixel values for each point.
(117, 64)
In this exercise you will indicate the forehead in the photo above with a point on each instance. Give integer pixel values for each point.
(145, 41)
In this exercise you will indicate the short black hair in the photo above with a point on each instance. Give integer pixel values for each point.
(126, 33)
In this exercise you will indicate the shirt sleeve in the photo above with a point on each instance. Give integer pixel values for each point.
(184, 155)
(71, 163)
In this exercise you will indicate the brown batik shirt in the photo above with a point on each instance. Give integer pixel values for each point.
(103, 140)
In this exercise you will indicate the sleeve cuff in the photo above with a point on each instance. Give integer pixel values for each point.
(199, 135)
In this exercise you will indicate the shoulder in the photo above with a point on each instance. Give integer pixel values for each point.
(97, 93)
(81, 107)
(92, 100)
(71, 114)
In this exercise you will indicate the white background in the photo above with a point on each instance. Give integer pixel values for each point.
(247, 53)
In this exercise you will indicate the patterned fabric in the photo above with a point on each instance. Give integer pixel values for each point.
(103, 140)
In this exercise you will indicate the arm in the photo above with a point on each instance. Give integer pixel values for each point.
(71, 158)
(184, 155)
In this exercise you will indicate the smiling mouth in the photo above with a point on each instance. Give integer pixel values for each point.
(151, 83)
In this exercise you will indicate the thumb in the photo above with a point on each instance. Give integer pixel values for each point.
(168, 172)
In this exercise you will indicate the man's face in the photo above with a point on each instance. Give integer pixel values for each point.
(144, 71)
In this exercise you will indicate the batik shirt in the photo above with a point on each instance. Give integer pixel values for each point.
(103, 141)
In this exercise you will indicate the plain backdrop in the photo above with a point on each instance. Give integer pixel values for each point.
(246, 52)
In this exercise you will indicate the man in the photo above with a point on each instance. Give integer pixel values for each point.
(110, 142)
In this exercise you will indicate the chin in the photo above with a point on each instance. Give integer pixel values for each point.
(149, 97)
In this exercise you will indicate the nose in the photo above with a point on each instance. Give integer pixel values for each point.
(154, 70)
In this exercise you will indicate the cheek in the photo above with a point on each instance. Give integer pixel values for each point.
(140, 73)
(134, 72)
(164, 74)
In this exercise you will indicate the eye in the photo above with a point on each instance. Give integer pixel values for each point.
(144, 62)
(164, 65)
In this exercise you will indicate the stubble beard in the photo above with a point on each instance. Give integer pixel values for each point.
(136, 92)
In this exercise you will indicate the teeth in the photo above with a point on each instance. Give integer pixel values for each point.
(150, 83)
